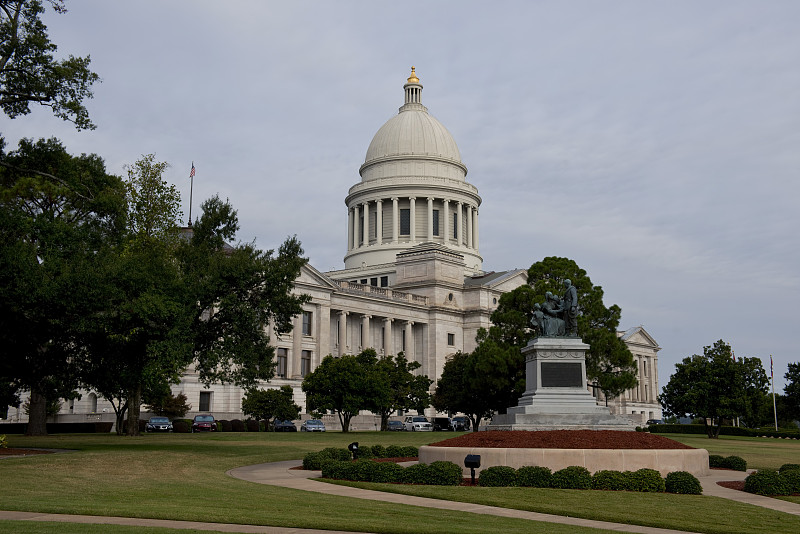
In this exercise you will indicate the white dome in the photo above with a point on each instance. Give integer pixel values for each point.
(413, 132)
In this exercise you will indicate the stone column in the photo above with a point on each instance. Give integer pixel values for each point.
(395, 220)
(366, 223)
(430, 218)
(349, 229)
(409, 337)
(460, 238)
(366, 342)
(469, 226)
(475, 231)
(271, 331)
(379, 222)
(387, 336)
(413, 216)
(297, 346)
(356, 232)
(342, 333)
(445, 221)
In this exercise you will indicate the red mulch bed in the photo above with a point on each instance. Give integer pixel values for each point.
(22, 452)
(562, 439)
(732, 484)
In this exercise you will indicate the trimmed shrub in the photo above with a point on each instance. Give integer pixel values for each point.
(394, 451)
(181, 426)
(646, 480)
(225, 425)
(336, 469)
(237, 425)
(416, 474)
(379, 451)
(446, 473)
(365, 451)
(715, 460)
(498, 476)
(387, 472)
(792, 477)
(682, 482)
(609, 480)
(409, 452)
(788, 467)
(342, 455)
(534, 476)
(313, 461)
(252, 425)
(735, 462)
(572, 477)
(767, 482)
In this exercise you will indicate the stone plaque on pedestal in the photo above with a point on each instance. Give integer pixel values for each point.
(556, 394)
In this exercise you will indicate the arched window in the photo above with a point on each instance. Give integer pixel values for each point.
(92, 403)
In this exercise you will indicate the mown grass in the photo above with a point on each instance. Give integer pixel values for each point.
(182, 476)
(45, 527)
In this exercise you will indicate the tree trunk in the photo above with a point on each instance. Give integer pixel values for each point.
(384, 421)
(37, 415)
(135, 402)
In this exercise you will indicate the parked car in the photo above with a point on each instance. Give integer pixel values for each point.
(312, 425)
(461, 423)
(204, 423)
(394, 426)
(417, 423)
(283, 426)
(442, 423)
(158, 424)
(655, 422)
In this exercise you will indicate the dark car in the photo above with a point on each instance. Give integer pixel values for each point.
(442, 423)
(655, 422)
(283, 426)
(204, 423)
(395, 426)
(461, 423)
(158, 424)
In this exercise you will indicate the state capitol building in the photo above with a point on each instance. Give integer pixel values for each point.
(412, 280)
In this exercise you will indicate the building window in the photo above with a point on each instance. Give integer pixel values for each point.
(92, 403)
(305, 363)
(451, 340)
(383, 337)
(282, 361)
(307, 317)
(436, 222)
(361, 229)
(364, 281)
(405, 222)
(373, 224)
(455, 225)
(373, 281)
(205, 401)
(384, 281)
(403, 343)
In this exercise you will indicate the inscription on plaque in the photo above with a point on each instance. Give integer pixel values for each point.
(561, 375)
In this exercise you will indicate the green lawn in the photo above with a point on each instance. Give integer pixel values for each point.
(182, 476)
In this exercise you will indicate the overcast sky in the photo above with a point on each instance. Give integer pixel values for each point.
(655, 143)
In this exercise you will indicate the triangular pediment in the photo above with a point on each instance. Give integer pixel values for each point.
(310, 276)
(639, 336)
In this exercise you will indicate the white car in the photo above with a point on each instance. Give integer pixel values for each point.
(417, 423)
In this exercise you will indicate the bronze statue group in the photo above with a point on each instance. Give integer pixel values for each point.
(557, 316)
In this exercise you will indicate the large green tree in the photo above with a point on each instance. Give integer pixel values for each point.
(792, 390)
(456, 391)
(57, 214)
(399, 388)
(30, 74)
(269, 404)
(715, 387)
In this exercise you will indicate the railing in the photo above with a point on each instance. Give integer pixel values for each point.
(381, 292)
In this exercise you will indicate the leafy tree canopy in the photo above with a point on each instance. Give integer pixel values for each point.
(398, 387)
(792, 390)
(714, 387)
(270, 404)
(30, 74)
(455, 391)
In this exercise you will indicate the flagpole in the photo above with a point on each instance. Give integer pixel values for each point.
(191, 190)
(774, 410)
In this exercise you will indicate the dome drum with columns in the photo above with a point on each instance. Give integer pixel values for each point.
(412, 190)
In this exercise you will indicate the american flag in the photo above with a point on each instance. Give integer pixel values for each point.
(770, 367)
(191, 173)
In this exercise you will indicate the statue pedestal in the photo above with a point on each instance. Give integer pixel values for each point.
(557, 397)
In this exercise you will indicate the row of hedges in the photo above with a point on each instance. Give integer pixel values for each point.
(315, 460)
(729, 462)
(578, 477)
(436, 473)
(784, 481)
(724, 431)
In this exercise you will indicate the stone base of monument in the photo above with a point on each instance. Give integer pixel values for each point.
(557, 397)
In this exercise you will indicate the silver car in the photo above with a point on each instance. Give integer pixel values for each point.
(417, 423)
(312, 425)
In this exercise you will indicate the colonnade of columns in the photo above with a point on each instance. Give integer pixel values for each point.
(359, 216)
(386, 343)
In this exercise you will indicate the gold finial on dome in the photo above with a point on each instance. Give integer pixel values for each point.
(413, 78)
